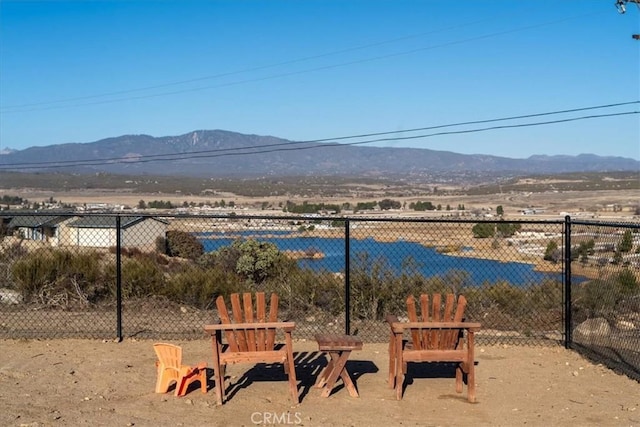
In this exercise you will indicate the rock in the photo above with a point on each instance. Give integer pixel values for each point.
(625, 325)
(593, 327)
(10, 296)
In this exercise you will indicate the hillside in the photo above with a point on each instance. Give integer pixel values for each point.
(219, 154)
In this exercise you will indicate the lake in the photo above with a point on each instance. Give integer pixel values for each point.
(427, 261)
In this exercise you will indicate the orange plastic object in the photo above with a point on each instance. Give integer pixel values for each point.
(170, 369)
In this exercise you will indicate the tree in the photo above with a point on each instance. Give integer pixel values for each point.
(252, 259)
(628, 282)
(483, 230)
(617, 258)
(491, 229)
(584, 250)
(142, 204)
(387, 204)
(183, 244)
(422, 206)
(507, 229)
(626, 244)
(552, 253)
(500, 210)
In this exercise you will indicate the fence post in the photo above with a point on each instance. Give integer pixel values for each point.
(118, 280)
(567, 283)
(347, 281)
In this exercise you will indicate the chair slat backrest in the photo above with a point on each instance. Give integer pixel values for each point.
(273, 317)
(169, 355)
(424, 309)
(249, 339)
(261, 317)
(248, 317)
(236, 308)
(435, 339)
(224, 318)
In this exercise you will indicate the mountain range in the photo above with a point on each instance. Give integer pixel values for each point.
(219, 153)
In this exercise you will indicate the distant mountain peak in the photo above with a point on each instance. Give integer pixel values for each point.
(221, 153)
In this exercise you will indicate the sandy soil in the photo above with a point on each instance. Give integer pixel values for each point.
(84, 382)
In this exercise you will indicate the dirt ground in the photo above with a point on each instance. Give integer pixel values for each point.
(105, 383)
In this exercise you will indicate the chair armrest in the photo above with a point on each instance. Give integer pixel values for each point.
(287, 326)
(390, 319)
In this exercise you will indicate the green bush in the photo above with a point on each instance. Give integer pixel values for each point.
(372, 283)
(304, 292)
(52, 276)
(552, 252)
(255, 261)
(508, 298)
(200, 287)
(626, 244)
(182, 244)
(141, 277)
(507, 229)
(482, 230)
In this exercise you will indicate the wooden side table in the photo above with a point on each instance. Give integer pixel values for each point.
(339, 348)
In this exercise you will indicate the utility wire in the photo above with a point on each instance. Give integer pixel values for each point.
(186, 156)
(20, 109)
(248, 70)
(339, 138)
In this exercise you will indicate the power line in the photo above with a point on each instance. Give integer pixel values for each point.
(339, 138)
(185, 156)
(247, 70)
(22, 108)
(475, 122)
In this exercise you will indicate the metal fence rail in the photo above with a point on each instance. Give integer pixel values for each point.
(157, 276)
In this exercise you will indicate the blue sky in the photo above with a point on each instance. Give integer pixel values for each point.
(302, 70)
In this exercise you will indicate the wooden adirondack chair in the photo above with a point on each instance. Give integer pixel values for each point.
(170, 369)
(436, 337)
(250, 338)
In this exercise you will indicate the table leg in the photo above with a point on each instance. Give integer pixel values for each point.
(348, 383)
(339, 360)
(322, 379)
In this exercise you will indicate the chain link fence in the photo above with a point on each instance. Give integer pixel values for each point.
(157, 276)
(605, 310)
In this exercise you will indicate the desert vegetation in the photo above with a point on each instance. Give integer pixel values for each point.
(182, 274)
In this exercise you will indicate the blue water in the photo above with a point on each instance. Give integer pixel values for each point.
(426, 261)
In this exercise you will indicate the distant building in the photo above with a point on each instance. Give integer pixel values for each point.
(532, 211)
(100, 231)
(44, 228)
